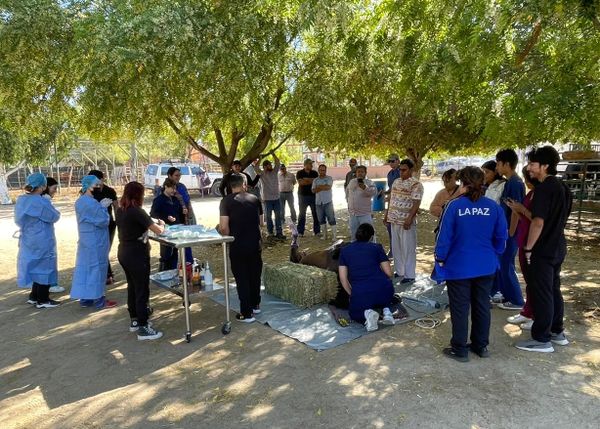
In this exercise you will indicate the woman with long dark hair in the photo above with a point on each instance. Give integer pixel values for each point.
(167, 208)
(444, 195)
(133, 224)
(493, 183)
(472, 234)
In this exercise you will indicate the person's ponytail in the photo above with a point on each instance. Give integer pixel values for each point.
(472, 179)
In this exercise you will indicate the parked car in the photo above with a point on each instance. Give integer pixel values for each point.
(193, 176)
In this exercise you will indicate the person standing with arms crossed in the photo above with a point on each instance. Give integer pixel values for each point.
(287, 181)
(241, 216)
(306, 198)
(321, 187)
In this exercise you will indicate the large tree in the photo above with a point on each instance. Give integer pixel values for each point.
(424, 75)
(221, 75)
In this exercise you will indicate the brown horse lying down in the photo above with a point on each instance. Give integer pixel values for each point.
(327, 259)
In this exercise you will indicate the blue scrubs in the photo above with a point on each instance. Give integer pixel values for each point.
(36, 260)
(89, 277)
(506, 280)
(371, 287)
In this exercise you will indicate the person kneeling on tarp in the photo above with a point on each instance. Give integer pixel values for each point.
(365, 273)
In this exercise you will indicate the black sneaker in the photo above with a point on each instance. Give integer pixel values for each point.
(134, 325)
(452, 355)
(482, 353)
(406, 280)
(148, 333)
(48, 304)
(240, 318)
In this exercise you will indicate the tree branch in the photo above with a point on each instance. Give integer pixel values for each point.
(220, 143)
(276, 148)
(533, 39)
(192, 141)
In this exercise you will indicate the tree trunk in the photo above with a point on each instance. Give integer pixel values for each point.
(416, 157)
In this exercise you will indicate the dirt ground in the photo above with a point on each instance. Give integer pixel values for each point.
(75, 368)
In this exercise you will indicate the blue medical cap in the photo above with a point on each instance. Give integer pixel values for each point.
(36, 180)
(88, 181)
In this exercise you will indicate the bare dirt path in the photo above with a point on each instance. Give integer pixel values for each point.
(74, 368)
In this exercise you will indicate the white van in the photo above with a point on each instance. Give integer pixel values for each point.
(193, 177)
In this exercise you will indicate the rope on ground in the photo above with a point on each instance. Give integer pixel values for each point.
(428, 322)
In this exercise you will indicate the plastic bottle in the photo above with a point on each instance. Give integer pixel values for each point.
(208, 277)
(202, 276)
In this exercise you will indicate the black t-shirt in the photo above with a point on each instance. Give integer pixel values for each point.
(132, 222)
(302, 174)
(244, 210)
(106, 192)
(552, 203)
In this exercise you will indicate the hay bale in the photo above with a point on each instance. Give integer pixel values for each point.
(302, 285)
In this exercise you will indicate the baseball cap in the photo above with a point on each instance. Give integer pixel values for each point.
(393, 157)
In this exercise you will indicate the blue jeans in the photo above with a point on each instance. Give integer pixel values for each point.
(474, 294)
(325, 213)
(305, 201)
(273, 206)
(506, 277)
(287, 197)
(356, 221)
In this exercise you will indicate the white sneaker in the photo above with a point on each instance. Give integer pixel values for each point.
(517, 319)
(56, 289)
(497, 298)
(372, 317)
(388, 319)
(527, 325)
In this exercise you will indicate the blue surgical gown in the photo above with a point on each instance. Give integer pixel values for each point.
(91, 265)
(36, 261)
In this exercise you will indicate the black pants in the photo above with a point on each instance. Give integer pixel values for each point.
(135, 260)
(112, 227)
(168, 257)
(546, 298)
(39, 293)
(247, 269)
(473, 293)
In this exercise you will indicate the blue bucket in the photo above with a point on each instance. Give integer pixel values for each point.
(379, 198)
